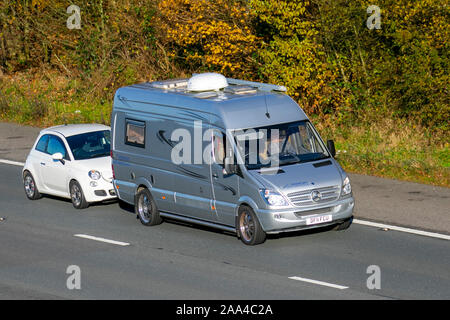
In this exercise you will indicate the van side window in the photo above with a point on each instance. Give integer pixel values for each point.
(218, 148)
(135, 133)
(42, 144)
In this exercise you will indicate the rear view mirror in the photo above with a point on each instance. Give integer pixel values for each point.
(58, 157)
(331, 148)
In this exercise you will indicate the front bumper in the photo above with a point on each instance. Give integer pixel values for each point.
(294, 218)
(104, 190)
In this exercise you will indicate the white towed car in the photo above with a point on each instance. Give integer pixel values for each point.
(71, 161)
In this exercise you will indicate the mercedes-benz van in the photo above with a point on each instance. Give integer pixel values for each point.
(236, 155)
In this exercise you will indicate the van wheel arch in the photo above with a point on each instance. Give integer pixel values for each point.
(139, 189)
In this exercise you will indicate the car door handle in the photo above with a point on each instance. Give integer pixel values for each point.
(215, 176)
(42, 163)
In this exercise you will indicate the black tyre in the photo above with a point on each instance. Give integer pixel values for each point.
(77, 196)
(344, 225)
(145, 208)
(30, 187)
(248, 227)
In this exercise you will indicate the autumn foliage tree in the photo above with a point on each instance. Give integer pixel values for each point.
(293, 55)
(210, 35)
(321, 50)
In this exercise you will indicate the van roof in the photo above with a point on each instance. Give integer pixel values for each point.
(238, 106)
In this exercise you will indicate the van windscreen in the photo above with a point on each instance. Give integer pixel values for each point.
(280, 144)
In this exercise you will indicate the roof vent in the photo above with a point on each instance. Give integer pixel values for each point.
(206, 82)
(238, 89)
(169, 84)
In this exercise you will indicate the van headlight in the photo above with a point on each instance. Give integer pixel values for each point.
(94, 175)
(273, 198)
(346, 187)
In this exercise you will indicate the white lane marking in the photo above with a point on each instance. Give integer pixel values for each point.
(402, 229)
(321, 283)
(14, 163)
(85, 236)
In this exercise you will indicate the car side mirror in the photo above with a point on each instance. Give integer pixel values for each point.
(331, 148)
(58, 157)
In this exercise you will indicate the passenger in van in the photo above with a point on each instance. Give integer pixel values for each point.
(219, 150)
(135, 135)
(284, 147)
(264, 153)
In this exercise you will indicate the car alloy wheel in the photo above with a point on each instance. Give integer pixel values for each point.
(247, 226)
(144, 208)
(29, 186)
(76, 195)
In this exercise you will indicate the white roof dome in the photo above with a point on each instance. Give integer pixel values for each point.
(207, 82)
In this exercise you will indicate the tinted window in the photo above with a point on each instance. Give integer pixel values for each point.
(90, 145)
(135, 133)
(56, 145)
(42, 144)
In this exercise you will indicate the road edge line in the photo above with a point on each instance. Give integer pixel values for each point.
(402, 229)
(14, 163)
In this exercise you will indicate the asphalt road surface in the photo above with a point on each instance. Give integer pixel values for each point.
(177, 261)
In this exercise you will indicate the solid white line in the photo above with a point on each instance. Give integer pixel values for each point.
(85, 236)
(14, 163)
(321, 283)
(402, 229)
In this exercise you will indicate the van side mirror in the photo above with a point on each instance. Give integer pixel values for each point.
(58, 157)
(331, 148)
(230, 168)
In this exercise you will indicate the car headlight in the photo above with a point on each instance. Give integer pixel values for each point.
(346, 187)
(273, 198)
(94, 175)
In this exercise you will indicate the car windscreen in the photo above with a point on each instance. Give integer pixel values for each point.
(90, 145)
(280, 144)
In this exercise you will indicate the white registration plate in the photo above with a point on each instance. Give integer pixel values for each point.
(319, 219)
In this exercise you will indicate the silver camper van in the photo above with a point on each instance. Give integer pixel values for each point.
(236, 155)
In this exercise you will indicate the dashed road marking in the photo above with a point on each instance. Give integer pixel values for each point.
(85, 236)
(321, 283)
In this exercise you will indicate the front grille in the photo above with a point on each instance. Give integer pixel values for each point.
(303, 198)
(301, 214)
